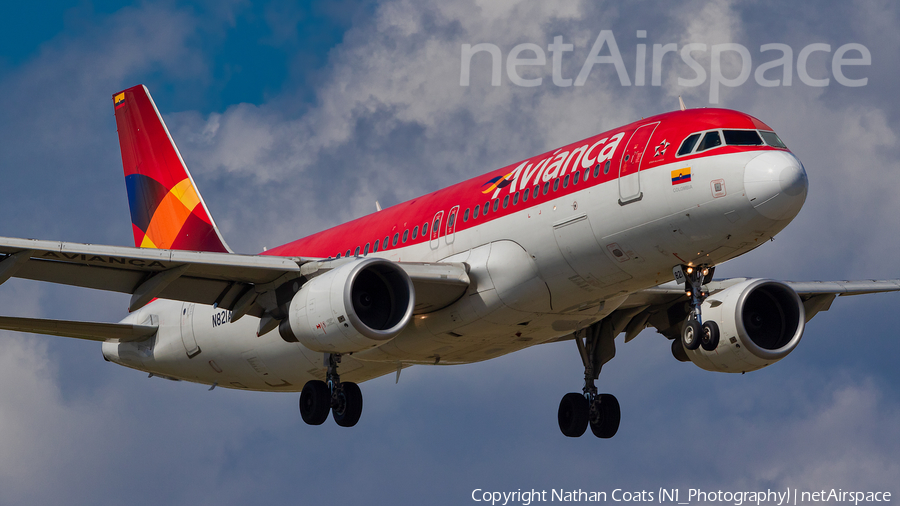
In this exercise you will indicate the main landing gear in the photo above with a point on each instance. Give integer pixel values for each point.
(600, 411)
(696, 333)
(343, 400)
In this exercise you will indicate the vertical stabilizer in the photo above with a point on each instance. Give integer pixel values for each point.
(167, 211)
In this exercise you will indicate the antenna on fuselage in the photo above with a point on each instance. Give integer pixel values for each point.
(377, 206)
(681, 103)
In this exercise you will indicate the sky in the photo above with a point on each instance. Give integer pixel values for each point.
(297, 116)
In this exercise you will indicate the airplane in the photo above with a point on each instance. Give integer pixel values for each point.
(608, 235)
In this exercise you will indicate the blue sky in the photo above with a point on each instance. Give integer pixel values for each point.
(297, 116)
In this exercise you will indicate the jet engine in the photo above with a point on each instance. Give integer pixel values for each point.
(760, 321)
(359, 305)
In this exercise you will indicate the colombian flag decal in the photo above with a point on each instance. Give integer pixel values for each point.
(119, 100)
(680, 176)
(497, 182)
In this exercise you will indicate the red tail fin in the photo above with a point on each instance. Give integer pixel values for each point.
(167, 211)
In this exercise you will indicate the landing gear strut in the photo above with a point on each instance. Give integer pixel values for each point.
(600, 411)
(695, 332)
(342, 399)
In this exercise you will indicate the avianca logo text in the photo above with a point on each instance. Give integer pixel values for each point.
(555, 165)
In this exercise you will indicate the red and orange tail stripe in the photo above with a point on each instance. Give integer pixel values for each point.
(167, 211)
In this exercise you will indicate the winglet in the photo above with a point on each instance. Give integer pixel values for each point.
(167, 211)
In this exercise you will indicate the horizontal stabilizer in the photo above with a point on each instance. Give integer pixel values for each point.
(92, 331)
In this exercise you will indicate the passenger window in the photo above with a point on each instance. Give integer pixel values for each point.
(396, 238)
(375, 246)
(606, 168)
(587, 174)
(566, 181)
(424, 229)
(710, 140)
(451, 220)
(385, 244)
(742, 138)
(575, 178)
(475, 211)
(466, 216)
(437, 223)
(415, 231)
(496, 204)
(546, 187)
(535, 191)
(505, 201)
(347, 254)
(366, 252)
(772, 140)
(525, 195)
(555, 184)
(405, 235)
(338, 255)
(597, 170)
(516, 198)
(688, 145)
(486, 208)
(356, 253)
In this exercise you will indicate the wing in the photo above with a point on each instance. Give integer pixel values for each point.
(664, 306)
(92, 331)
(244, 284)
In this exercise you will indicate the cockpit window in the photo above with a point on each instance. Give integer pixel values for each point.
(710, 140)
(742, 138)
(772, 139)
(688, 145)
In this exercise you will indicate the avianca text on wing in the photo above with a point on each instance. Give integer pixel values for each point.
(729, 64)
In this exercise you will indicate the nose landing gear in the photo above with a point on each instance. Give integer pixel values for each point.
(600, 411)
(695, 332)
(342, 399)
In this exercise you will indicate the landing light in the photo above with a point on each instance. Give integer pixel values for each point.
(690, 270)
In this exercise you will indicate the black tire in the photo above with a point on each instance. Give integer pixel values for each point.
(349, 405)
(709, 336)
(315, 402)
(690, 334)
(573, 414)
(678, 351)
(606, 422)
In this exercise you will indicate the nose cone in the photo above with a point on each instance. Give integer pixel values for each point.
(776, 184)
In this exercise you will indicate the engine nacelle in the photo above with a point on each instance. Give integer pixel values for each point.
(760, 321)
(357, 306)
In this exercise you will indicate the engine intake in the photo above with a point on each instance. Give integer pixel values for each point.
(356, 306)
(760, 322)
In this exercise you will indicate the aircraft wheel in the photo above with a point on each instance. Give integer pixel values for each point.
(690, 334)
(605, 416)
(573, 414)
(709, 337)
(349, 404)
(315, 402)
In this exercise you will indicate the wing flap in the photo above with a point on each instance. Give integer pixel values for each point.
(91, 331)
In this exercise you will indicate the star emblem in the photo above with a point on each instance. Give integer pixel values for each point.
(661, 148)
